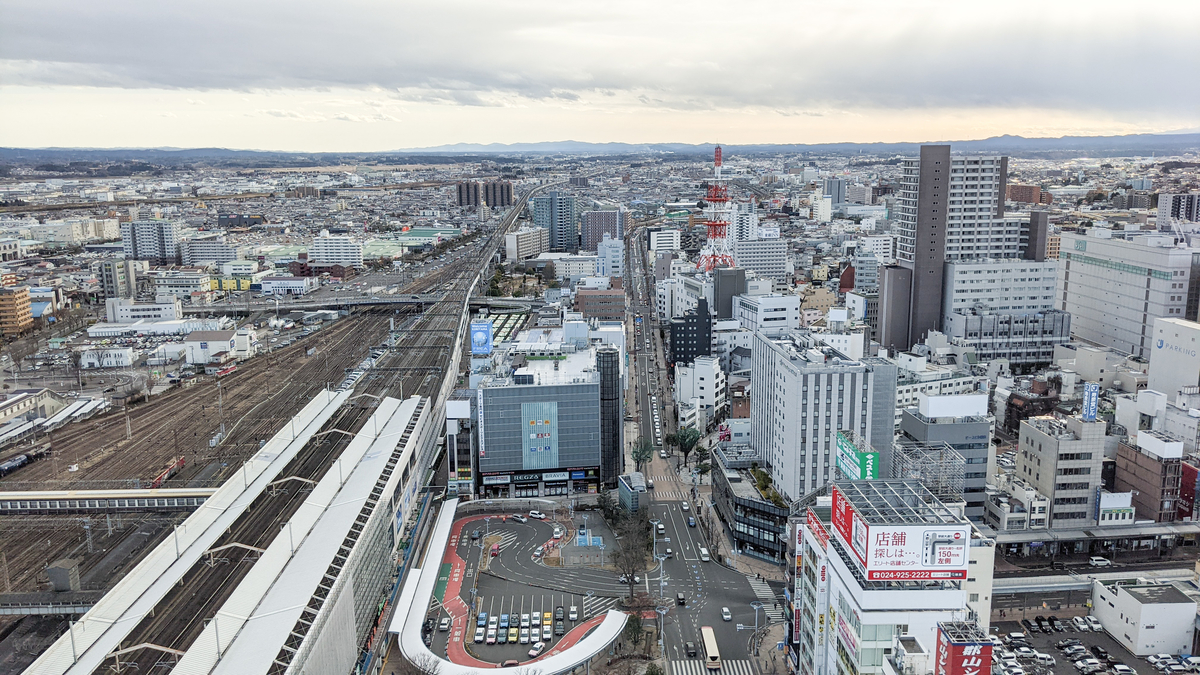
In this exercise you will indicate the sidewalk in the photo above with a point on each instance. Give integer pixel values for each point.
(745, 564)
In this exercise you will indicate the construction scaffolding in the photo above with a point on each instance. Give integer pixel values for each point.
(939, 467)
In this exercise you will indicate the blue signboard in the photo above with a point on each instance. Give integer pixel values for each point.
(1091, 401)
(481, 338)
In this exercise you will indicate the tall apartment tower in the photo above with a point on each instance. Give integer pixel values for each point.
(118, 278)
(497, 193)
(612, 455)
(949, 209)
(558, 213)
(468, 193)
(1178, 207)
(596, 224)
(153, 240)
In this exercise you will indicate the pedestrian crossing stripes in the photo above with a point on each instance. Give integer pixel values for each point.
(762, 590)
(668, 494)
(595, 606)
(696, 667)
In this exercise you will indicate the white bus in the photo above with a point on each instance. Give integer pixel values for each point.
(712, 656)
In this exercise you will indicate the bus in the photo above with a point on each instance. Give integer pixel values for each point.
(712, 656)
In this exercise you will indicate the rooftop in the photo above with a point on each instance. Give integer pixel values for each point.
(896, 502)
(1157, 594)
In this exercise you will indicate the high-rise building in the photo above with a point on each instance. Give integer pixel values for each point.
(962, 423)
(335, 250)
(16, 314)
(691, 334)
(766, 257)
(498, 193)
(803, 394)
(610, 257)
(118, 278)
(527, 242)
(596, 224)
(558, 213)
(949, 209)
(210, 248)
(1178, 207)
(612, 414)
(665, 240)
(1114, 289)
(468, 193)
(1028, 194)
(1063, 458)
(154, 240)
(835, 189)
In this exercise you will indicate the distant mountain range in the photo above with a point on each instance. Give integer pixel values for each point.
(1063, 147)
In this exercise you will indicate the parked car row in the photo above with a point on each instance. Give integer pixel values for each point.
(539, 627)
(1051, 624)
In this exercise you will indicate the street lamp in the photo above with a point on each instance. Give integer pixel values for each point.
(661, 571)
(601, 560)
(757, 606)
(654, 533)
(487, 525)
(662, 613)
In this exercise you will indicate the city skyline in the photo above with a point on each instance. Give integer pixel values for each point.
(380, 78)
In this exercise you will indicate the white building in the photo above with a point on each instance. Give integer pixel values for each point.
(727, 336)
(704, 380)
(116, 357)
(1114, 289)
(181, 284)
(239, 268)
(883, 246)
(125, 310)
(610, 257)
(766, 257)
(664, 298)
(775, 315)
(850, 606)
(289, 285)
(665, 240)
(156, 240)
(1174, 356)
(525, 243)
(206, 249)
(569, 267)
(1002, 286)
(745, 222)
(915, 376)
(1146, 619)
(803, 394)
(209, 346)
(335, 249)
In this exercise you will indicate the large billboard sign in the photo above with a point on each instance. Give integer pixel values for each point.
(817, 528)
(961, 658)
(854, 463)
(481, 338)
(540, 438)
(1091, 401)
(902, 552)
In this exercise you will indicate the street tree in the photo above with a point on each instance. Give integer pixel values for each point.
(686, 439)
(633, 543)
(643, 450)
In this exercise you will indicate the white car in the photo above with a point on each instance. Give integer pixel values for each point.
(1024, 653)
(726, 615)
(520, 518)
(479, 632)
(685, 507)
(1097, 561)
(1093, 623)
(524, 621)
(1122, 669)
(1080, 624)
(537, 514)
(537, 649)
(573, 615)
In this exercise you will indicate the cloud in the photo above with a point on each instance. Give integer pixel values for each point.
(793, 55)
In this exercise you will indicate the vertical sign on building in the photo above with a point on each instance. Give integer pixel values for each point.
(481, 338)
(540, 438)
(961, 652)
(797, 592)
(1091, 401)
(854, 463)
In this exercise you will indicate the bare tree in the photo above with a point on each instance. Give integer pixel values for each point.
(633, 542)
(424, 664)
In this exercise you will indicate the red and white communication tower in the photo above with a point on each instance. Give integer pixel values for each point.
(716, 252)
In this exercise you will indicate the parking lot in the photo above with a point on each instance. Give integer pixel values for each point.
(1044, 643)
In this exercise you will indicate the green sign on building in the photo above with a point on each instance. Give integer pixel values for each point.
(856, 463)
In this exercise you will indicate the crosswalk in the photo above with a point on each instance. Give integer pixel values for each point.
(669, 494)
(595, 605)
(696, 667)
(762, 590)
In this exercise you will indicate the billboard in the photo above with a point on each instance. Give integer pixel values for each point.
(1091, 400)
(817, 528)
(902, 552)
(481, 338)
(768, 232)
(854, 463)
(957, 657)
(539, 441)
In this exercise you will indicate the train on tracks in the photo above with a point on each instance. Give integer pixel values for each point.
(102, 501)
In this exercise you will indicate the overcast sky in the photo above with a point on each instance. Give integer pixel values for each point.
(390, 74)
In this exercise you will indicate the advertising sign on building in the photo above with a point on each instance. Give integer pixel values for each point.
(961, 657)
(902, 552)
(768, 232)
(856, 463)
(540, 438)
(818, 528)
(481, 337)
(1091, 401)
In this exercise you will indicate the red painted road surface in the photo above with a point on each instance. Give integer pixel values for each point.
(459, 612)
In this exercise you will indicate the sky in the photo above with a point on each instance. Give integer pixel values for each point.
(365, 75)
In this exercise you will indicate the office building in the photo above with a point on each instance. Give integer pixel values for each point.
(852, 613)
(1184, 207)
(803, 394)
(702, 381)
(16, 313)
(1026, 340)
(773, 315)
(1174, 356)
(156, 241)
(1114, 289)
(999, 286)
(125, 310)
(181, 284)
(541, 419)
(558, 213)
(596, 224)
(858, 194)
(610, 257)
(497, 194)
(605, 304)
(960, 422)
(835, 189)
(1063, 457)
(864, 307)
(665, 240)
(205, 249)
(765, 257)
(948, 209)
(691, 335)
(118, 278)
(745, 222)
(612, 412)
(525, 243)
(1028, 194)
(866, 271)
(1151, 470)
(335, 250)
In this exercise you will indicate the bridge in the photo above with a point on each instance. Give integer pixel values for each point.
(342, 302)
